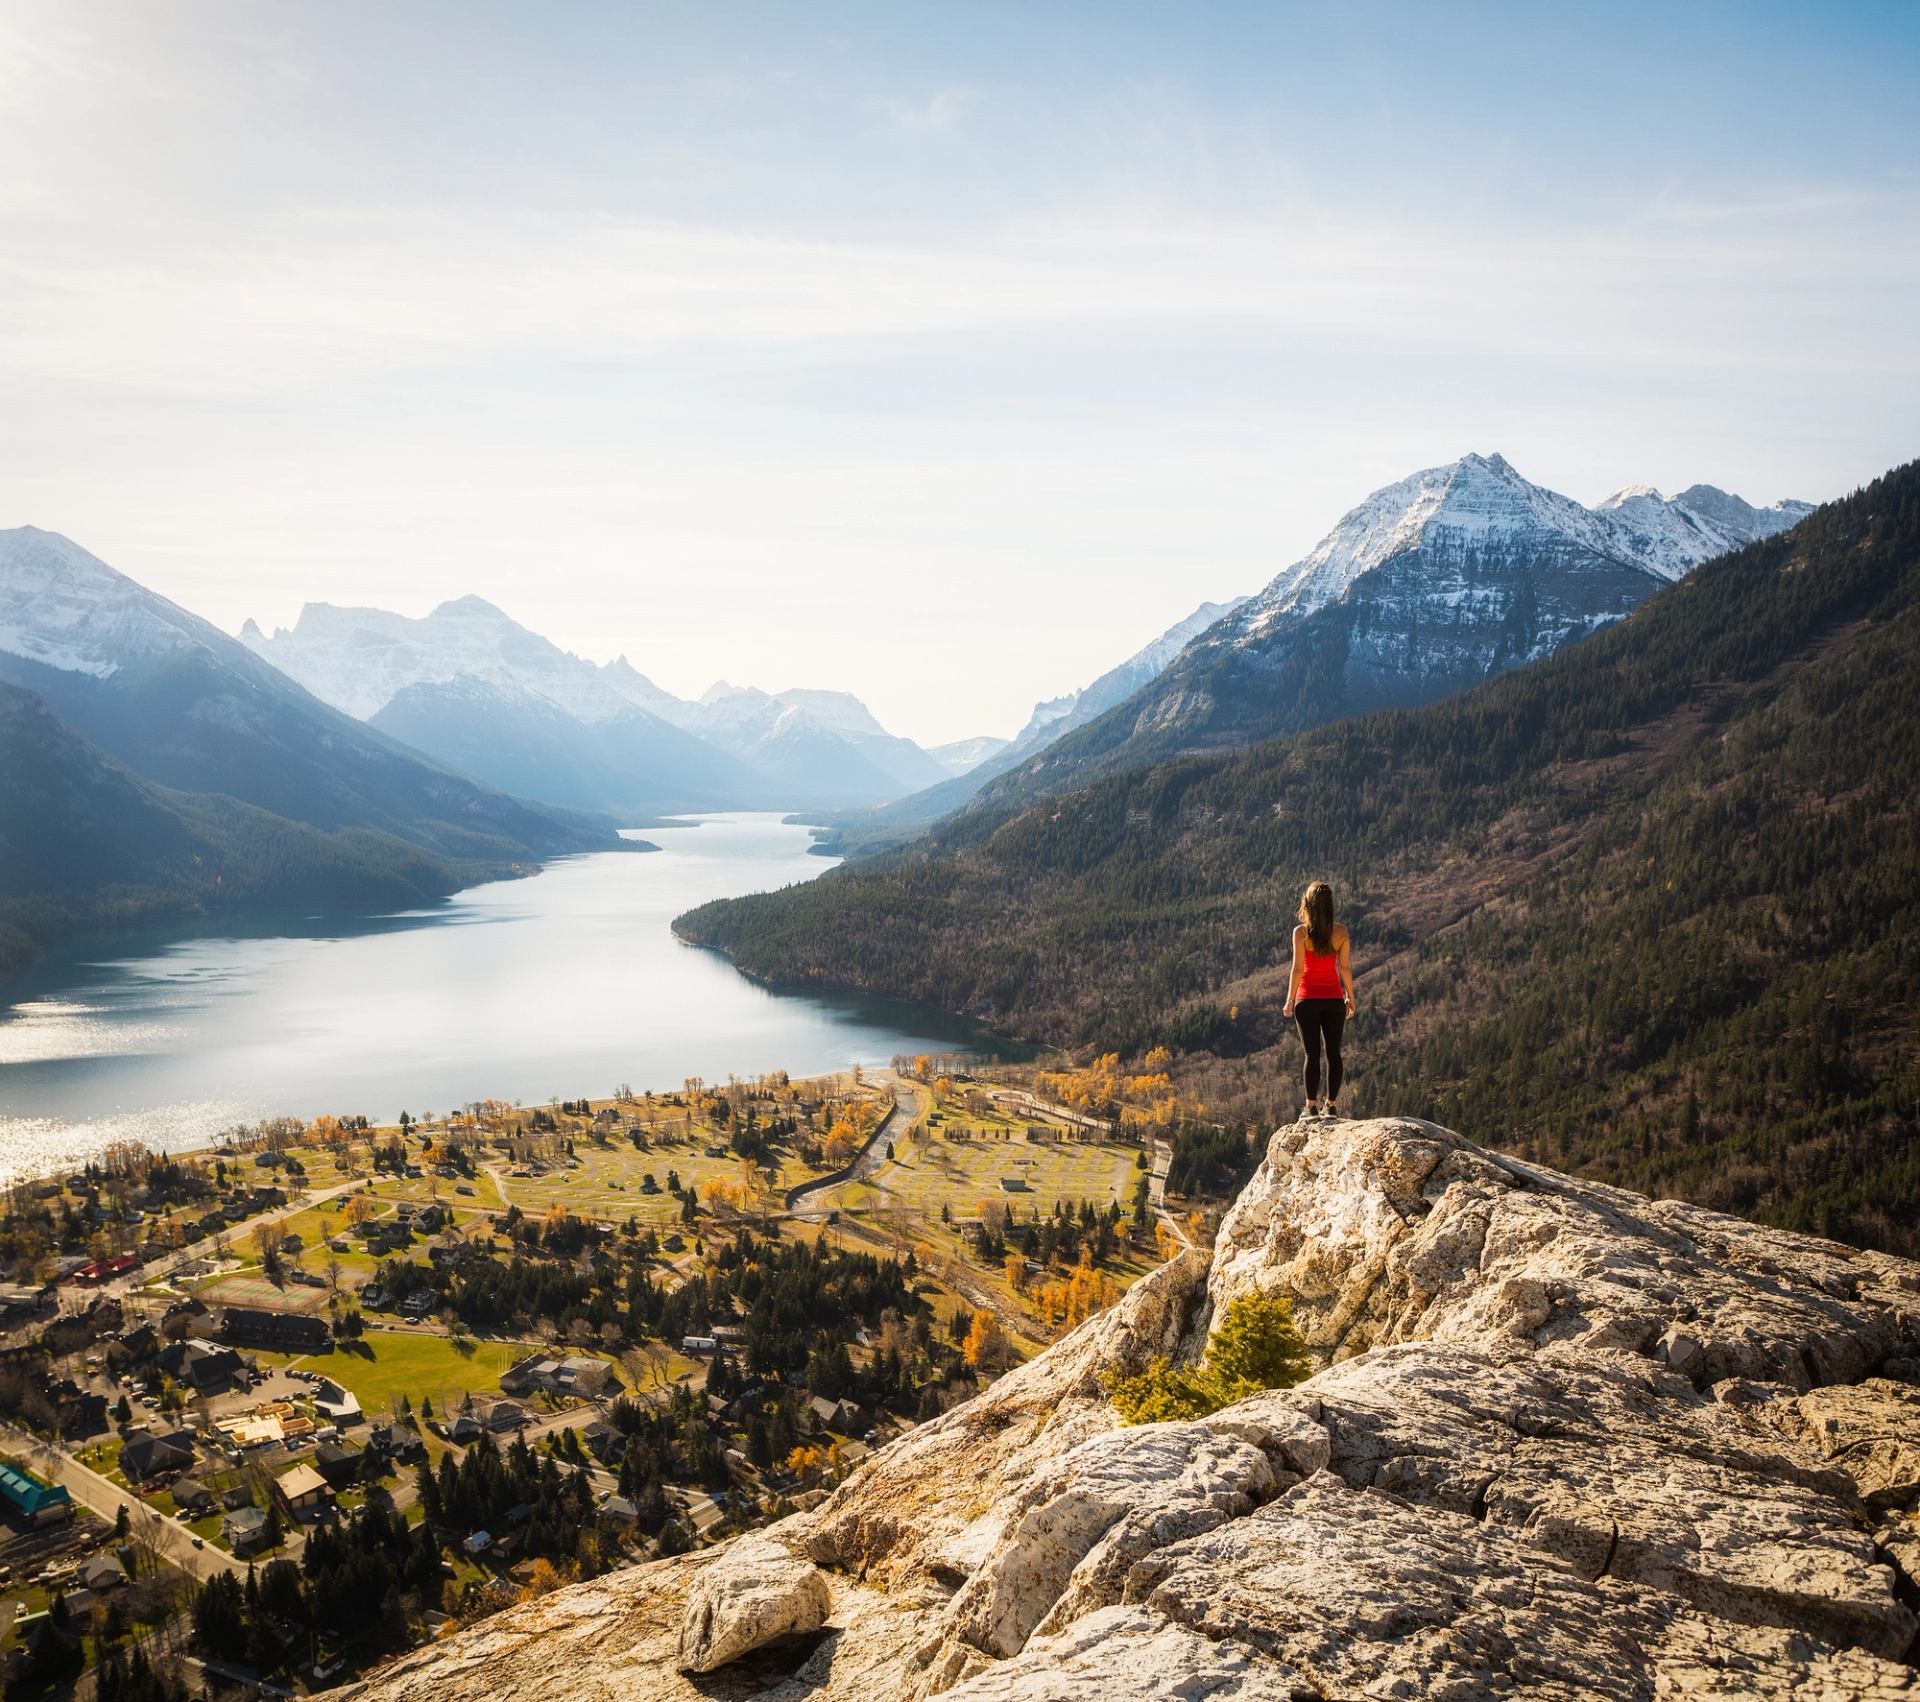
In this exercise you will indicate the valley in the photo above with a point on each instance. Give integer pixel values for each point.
(656, 1318)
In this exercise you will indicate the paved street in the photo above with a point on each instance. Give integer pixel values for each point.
(106, 1498)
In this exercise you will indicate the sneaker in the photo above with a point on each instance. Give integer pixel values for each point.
(1312, 1108)
(1329, 1109)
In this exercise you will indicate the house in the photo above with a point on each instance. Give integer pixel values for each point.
(620, 1509)
(417, 1304)
(338, 1462)
(286, 1332)
(238, 1496)
(603, 1442)
(465, 1428)
(244, 1530)
(698, 1344)
(192, 1495)
(102, 1574)
(36, 1502)
(206, 1365)
(79, 1412)
(833, 1415)
(303, 1489)
(504, 1415)
(19, 1302)
(396, 1442)
(335, 1404)
(146, 1456)
(477, 1542)
(572, 1374)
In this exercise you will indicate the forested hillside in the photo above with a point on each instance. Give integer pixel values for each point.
(86, 843)
(1649, 908)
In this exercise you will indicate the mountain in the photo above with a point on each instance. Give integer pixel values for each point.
(1647, 903)
(628, 762)
(182, 704)
(474, 689)
(903, 819)
(1559, 1442)
(86, 843)
(1433, 584)
(480, 692)
(824, 748)
(962, 756)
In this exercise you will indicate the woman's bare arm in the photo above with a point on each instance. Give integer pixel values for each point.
(1294, 975)
(1346, 968)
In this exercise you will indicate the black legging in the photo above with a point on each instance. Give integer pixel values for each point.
(1321, 1020)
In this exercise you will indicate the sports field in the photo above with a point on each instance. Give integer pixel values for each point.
(255, 1290)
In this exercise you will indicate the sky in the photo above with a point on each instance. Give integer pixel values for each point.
(944, 354)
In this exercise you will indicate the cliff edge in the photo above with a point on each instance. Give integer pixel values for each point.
(1565, 1442)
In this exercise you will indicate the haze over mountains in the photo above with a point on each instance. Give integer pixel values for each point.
(206, 773)
(429, 732)
(472, 687)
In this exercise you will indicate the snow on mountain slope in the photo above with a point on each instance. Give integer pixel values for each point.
(64, 607)
(360, 659)
(1479, 506)
(828, 742)
(962, 756)
(182, 703)
(1060, 715)
(1430, 585)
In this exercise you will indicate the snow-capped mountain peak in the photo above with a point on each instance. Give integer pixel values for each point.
(64, 607)
(359, 659)
(1481, 503)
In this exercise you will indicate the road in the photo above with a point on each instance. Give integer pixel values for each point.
(106, 1498)
(157, 1270)
(1157, 1190)
(808, 1200)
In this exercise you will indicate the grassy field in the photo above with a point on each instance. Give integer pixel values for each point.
(609, 1182)
(966, 1176)
(417, 1365)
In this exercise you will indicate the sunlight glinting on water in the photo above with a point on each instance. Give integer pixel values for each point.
(565, 983)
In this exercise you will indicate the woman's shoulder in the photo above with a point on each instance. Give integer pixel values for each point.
(1339, 934)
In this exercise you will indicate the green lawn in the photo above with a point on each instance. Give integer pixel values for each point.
(417, 1366)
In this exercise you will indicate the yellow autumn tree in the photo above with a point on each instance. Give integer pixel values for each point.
(986, 1342)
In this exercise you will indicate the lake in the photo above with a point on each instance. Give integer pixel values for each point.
(561, 985)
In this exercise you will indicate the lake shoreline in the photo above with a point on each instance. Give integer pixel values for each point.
(563, 981)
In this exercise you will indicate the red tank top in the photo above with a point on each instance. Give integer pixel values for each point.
(1322, 977)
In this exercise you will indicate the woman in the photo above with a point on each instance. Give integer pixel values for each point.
(1320, 993)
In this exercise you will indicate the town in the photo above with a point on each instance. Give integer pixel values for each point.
(459, 1360)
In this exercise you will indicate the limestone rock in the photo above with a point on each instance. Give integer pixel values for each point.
(756, 1591)
(1565, 1443)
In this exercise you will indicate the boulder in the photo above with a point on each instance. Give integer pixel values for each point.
(758, 1590)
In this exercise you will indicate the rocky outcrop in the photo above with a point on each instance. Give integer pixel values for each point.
(1565, 1443)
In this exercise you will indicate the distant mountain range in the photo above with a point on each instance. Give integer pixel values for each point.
(473, 688)
(1432, 584)
(212, 776)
